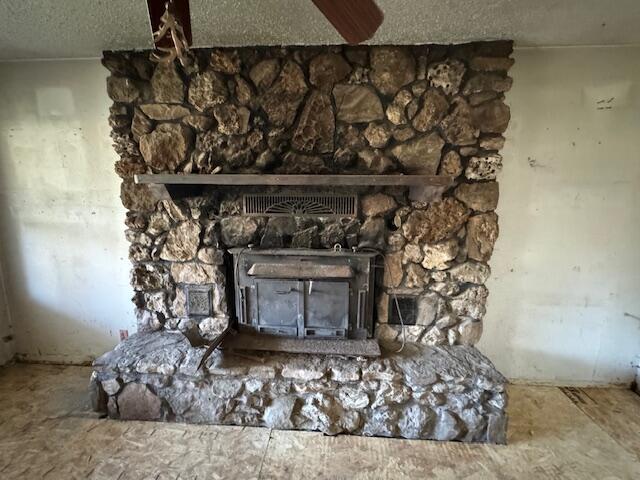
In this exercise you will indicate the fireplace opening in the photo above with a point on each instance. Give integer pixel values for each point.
(305, 293)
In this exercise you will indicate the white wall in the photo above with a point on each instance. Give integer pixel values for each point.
(566, 266)
(63, 246)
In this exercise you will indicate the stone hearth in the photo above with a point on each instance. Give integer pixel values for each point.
(431, 110)
(440, 393)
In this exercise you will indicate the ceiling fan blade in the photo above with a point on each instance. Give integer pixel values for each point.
(355, 20)
(180, 9)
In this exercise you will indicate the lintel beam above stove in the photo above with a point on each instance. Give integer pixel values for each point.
(290, 180)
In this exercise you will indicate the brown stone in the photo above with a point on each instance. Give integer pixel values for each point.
(478, 98)
(316, 127)
(482, 232)
(439, 221)
(491, 117)
(459, 127)
(297, 164)
(393, 270)
(377, 134)
(447, 75)
(356, 104)
(166, 147)
(451, 164)
(137, 197)
(232, 120)
(396, 110)
(207, 89)
(438, 256)
(264, 73)
(200, 123)
(127, 169)
(391, 68)
(159, 222)
(470, 272)
(377, 205)
(417, 277)
(238, 231)
(182, 242)
(327, 69)
(412, 253)
(225, 61)
(159, 111)
(244, 93)
(420, 155)
(483, 82)
(491, 64)
(403, 133)
(492, 142)
(140, 125)
(166, 84)
(195, 273)
(372, 233)
(122, 89)
(481, 197)
(146, 277)
(137, 402)
(434, 108)
(374, 161)
(281, 100)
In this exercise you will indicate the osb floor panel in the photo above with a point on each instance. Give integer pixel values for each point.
(46, 431)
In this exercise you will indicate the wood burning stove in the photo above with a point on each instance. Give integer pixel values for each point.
(305, 293)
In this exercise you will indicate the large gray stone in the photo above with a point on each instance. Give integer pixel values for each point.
(423, 392)
(137, 402)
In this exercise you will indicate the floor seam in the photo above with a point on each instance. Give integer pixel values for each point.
(593, 421)
(264, 455)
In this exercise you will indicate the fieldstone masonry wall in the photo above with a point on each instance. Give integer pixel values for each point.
(428, 109)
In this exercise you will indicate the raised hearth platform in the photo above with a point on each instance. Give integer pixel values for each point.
(440, 393)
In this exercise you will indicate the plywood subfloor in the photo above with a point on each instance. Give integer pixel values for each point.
(46, 431)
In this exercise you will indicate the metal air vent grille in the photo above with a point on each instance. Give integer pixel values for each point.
(300, 204)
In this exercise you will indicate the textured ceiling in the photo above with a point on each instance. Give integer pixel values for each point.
(83, 28)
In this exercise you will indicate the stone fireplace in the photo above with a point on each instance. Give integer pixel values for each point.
(331, 207)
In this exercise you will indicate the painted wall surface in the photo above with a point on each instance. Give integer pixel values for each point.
(62, 239)
(7, 339)
(564, 302)
(565, 270)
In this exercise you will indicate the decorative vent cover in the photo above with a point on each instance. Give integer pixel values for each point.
(199, 301)
(300, 204)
